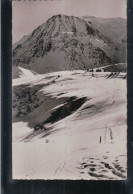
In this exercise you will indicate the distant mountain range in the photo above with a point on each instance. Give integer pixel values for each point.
(68, 42)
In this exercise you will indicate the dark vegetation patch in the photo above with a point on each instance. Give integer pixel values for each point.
(37, 109)
(32, 106)
(25, 100)
(71, 105)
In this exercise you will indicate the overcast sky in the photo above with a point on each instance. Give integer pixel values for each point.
(27, 15)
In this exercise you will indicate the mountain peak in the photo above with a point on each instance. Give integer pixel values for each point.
(64, 43)
(59, 24)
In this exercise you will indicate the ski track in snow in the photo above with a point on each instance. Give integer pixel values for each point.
(70, 149)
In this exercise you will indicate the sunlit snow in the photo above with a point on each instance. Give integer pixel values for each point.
(88, 144)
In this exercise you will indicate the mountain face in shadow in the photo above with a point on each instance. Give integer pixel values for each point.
(65, 43)
(113, 28)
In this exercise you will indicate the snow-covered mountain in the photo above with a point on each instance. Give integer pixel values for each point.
(64, 43)
(70, 124)
(115, 29)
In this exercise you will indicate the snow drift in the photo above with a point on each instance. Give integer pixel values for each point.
(88, 143)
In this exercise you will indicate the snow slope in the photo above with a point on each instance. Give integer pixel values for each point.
(19, 72)
(71, 148)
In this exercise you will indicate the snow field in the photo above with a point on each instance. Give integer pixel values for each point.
(72, 149)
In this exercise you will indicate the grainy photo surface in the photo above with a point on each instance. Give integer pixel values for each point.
(69, 90)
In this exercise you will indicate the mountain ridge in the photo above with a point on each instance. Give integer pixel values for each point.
(64, 43)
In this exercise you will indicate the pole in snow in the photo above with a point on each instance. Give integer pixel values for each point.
(100, 139)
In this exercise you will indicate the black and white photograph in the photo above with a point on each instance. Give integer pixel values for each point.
(69, 90)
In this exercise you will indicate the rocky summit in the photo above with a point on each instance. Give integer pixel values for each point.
(64, 43)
